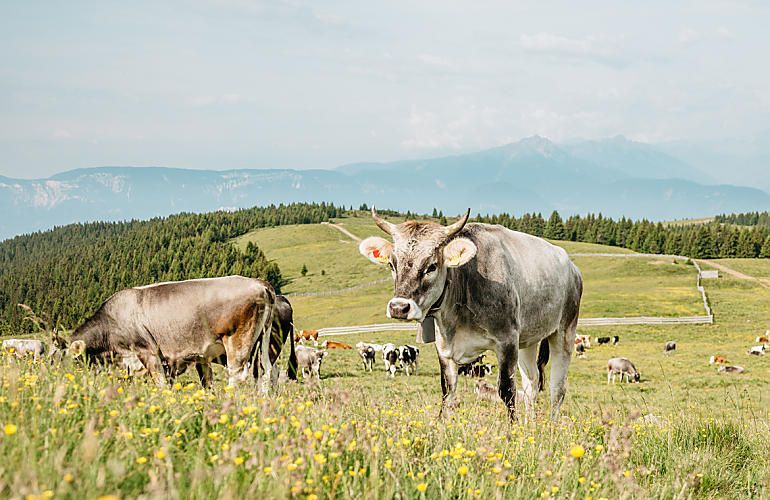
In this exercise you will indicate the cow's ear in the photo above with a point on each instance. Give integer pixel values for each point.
(77, 348)
(376, 249)
(458, 252)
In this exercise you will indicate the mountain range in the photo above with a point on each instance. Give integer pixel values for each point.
(616, 177)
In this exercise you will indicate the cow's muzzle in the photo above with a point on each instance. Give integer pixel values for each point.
(399, 308)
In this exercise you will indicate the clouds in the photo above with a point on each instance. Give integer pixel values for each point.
(294, 83)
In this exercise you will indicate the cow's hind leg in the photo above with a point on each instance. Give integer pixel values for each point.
(530, 377)
(560, 344)
(507, 357)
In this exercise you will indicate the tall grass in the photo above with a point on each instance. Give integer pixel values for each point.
(73, 432)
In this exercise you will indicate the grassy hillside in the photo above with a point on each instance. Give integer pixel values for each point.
(613, 286)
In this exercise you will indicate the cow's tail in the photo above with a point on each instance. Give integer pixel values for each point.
(542, 359)
(293, 366)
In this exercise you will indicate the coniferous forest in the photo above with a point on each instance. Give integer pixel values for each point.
(712, 240)
(65, 273)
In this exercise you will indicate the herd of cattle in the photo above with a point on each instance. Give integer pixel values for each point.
(478, 287)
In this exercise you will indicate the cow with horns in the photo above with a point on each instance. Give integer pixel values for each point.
(486, 287)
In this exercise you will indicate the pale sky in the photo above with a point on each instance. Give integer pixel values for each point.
(295, 84)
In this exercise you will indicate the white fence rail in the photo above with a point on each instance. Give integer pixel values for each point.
(638, 320)
(647, 320)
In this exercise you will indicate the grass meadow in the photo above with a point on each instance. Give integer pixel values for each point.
(684, 431)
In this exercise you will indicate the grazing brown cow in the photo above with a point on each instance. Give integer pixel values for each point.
(169, 326)
(717, 359)
(307, 335)
(330, 344)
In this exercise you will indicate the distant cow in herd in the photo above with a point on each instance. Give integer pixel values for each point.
(717, 360)
(23, 347)
(477, 368)
(367, 353)
(669, 348)
(623, 367)
(305, 335)
(309, 360)
(330, 344)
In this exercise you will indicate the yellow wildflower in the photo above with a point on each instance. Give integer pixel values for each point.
(577, 451)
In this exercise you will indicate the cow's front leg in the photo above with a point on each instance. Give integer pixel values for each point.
(448, 385)
(238, 350)
(205, 374)
(154, 367)
(506, 382)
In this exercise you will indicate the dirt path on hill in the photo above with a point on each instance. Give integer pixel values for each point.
(345, 231)
(762, 282)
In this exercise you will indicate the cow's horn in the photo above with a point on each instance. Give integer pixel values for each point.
(386, 226)
(457, 226)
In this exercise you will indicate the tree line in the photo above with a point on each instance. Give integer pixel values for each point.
(747, 219)
(64, 274)
(701, 241)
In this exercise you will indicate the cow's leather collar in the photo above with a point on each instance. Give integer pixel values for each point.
(437, 305)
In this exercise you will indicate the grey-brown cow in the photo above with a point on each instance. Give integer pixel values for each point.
(169, 326)
(488, 288)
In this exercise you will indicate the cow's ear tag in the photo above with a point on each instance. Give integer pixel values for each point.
(426, 333)
(376, 249)
(459, 251)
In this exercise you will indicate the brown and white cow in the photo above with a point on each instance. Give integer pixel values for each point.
(169, 326)
(303, 335)
(488, 288)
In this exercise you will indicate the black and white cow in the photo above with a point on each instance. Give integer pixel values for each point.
(488, 288)
(367, 353)
(477, 368)
(407, 357)
(390, 357)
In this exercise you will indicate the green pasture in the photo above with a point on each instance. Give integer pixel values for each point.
(72, 432)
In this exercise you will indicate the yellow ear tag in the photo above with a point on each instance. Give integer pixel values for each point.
(456, 259)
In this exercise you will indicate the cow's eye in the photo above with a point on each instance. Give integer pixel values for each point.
(430, 269)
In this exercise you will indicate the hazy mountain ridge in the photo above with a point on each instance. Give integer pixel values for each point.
(616, 177)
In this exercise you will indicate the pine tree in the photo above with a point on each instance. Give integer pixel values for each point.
(303, 272)
(765, 251)
(554, 229)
